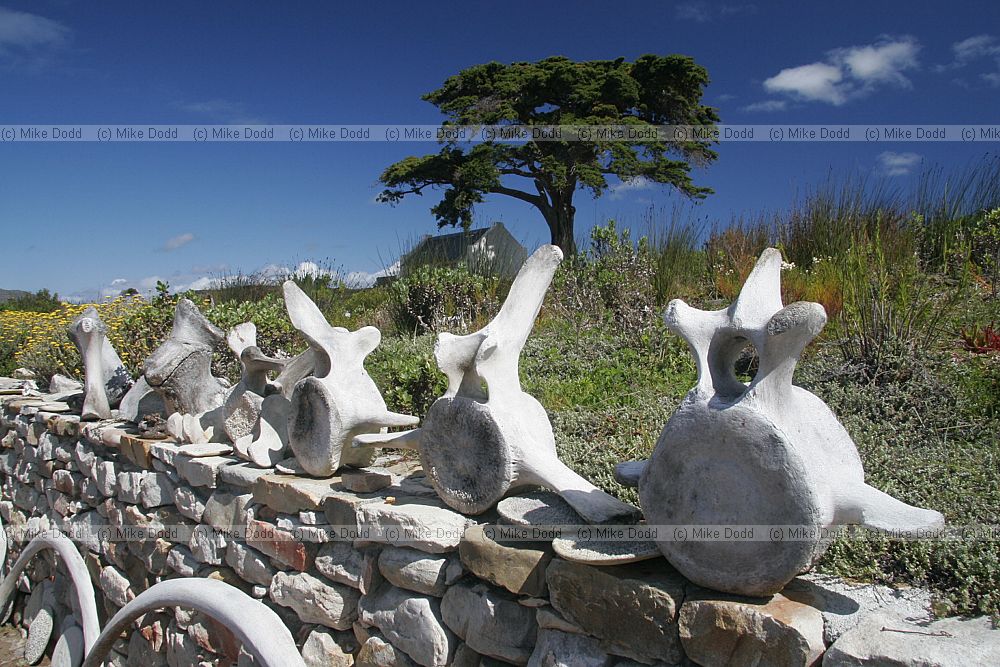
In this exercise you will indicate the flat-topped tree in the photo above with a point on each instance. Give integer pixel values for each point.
(653, 90)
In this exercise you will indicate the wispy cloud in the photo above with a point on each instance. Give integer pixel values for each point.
(29, 39)
(973, 50)
(178, 241)
(890, 163)
(619, 190)
(221, 111)
(702, 12)
(767, 106)
(849, 73)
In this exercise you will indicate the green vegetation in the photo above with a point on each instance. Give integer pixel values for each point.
(909, 360)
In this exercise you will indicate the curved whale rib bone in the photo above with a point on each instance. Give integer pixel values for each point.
(260, 630)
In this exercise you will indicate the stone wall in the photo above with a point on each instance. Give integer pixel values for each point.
(370, 568)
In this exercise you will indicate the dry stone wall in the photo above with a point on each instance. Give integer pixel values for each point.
(370, 568)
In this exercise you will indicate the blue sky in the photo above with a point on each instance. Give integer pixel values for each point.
(89, 218)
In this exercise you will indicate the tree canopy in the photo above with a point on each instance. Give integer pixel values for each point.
(653, 90)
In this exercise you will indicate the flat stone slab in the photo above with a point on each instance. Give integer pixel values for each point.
(540, 508)
(205, 449)
(518, 567)
(424, 527)
(604, 552)
(315, 600)
(201, 471)
(631, 609)
(243, 474)
(720, 629)
(290, 494)
(890, 639)
(365, 480)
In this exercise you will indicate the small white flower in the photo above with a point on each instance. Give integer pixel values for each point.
(787, 266)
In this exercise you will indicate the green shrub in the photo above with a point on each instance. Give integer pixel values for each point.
(431, 299)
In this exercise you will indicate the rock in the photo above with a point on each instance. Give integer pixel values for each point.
(106, 478)
(202, 449)
(518, 567)
(130, 487)
(341, 562)
(888, 639)
(491, 623)
(562, 649)
(552, 620)
(365, 480)
(377, 652)
(844, 604)
(157, 489)
(226, 511)
(116, 586)
(207, 545)
(68, 651)
(410, 622)
(249, 563)
(315, 600)
(189, 503)
(632, 609)
(243, 474)
(182, 650)
(290, 494)
(60, 383)
(415, 570)
(328, 648)
(745, 631)
(423, 527)
(280, 545)
(202, 471)
(341, 509)
(181, 561)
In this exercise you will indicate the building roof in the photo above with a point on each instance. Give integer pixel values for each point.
(448, 247)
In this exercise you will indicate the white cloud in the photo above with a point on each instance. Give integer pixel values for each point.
(890, 163)
(701, 12)
(971, 50)
(992, 78)
(767, 106)
(178, 241)
(619, 190)
(817, 82)
(223, 111)
(692, 11)
(848, 73)
(23, 32)
(119, 281)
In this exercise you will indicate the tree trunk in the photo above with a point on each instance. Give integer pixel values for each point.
(560, 221)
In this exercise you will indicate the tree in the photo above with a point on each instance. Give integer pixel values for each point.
(654, 90)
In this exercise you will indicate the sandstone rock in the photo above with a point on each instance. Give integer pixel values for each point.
(315, 600)
(130, 486)
(181, 561)
(632, 609)
(341, 562)
(207, 545)
(844, 604)
(415, 570)
(116, 586)
(491, 622)
(377, 652)
(243, 474)
(562, 649)
(341, 509)
(365, 480)
(189, 503)
(280, 545)
(424, 527)
(250, 564)
(885, 638)
(518, 567)
(410, 622)
(157, 489)
(226, 511)
(306, 533)
(106, 478)
(202, 471)
(726, 630)
(328, 648)
(290, 494)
